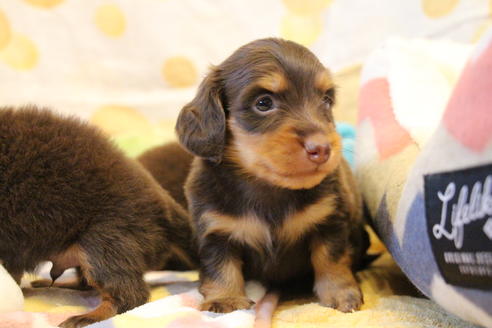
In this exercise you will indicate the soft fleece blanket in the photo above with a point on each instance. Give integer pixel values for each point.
(390, 301)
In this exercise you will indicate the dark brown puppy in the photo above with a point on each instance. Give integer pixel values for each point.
(270, 194)
(69, 196)
(169, 164)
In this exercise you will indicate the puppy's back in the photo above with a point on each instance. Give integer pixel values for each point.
(60, 178)
(170, 165)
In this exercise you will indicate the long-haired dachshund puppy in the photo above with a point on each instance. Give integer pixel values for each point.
(69, 196)
(269, 193)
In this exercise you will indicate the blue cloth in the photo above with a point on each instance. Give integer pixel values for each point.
(347, 131)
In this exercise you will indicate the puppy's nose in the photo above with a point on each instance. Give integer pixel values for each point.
(317, 152)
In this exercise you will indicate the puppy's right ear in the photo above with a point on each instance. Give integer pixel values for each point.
(201, 124)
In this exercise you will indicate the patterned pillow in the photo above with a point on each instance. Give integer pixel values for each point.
(431, 197)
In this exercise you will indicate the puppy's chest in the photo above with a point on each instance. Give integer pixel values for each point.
(269, 231)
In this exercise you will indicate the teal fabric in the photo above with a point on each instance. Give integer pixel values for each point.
(347, 131)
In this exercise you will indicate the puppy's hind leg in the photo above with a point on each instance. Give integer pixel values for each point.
(121, 287)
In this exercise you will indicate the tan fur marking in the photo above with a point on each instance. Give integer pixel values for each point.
(322, 262)
(230, 282)
(350, 191)
(248, 230)
(274, 82)
(334, 283)
(295, 226)
(323, 81)
(105, 310)
(279, 157)
(336, 151)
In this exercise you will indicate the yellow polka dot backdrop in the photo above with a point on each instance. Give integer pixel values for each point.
(110, 20)
(20, 53)
(306, 7)
(44, 3)
(120, 120)
(5, 32)
(301, 29)
(438, 8)
(179, 72)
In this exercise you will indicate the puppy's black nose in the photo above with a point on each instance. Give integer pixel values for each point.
(317, 152)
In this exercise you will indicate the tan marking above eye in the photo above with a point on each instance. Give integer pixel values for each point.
(323, 81)
(274, 82)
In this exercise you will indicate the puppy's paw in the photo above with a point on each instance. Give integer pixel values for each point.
(346, 299)
(77, 322)
(227, 304)
(41, 283)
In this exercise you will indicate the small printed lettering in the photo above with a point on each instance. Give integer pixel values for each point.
(475, 270)
(459, 258)
(480, 258)
(484, 258)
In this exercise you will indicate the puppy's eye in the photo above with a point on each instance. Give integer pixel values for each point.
(329, 97)
(264, 104)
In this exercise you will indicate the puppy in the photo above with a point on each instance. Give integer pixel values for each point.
(169, 165)
(270, 195)
(69, 196)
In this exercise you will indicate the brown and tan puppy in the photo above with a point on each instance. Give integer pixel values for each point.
(271, 197)
(69, 196)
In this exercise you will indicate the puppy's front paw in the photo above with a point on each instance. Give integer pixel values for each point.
(227, 304)
(345, 299)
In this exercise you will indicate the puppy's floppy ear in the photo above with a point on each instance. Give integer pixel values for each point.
(201, 124)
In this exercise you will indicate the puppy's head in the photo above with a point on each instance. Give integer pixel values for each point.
(267, 108)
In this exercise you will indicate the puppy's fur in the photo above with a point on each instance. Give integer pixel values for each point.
(169, 164)
(67, 195)
(264, 204)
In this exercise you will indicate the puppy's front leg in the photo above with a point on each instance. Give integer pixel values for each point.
(334, 283)
(222, 282)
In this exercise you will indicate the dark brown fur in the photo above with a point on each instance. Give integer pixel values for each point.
(69, 196)
(262, 209)
(169, 164)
